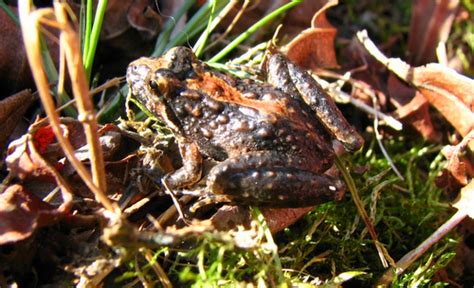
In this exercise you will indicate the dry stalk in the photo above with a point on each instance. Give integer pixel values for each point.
(30, 23)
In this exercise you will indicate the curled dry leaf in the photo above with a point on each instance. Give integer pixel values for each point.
(416, 113)
(445, 89)
(229, 217)
(412, 108)
(138, 14)
(30, 155)
(279, 219)
(314, 47)
(24, 159)
(456, 167)
(459, 169)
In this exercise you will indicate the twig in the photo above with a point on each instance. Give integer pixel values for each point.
(378, 137)
(414, 254)
(29, 23)
(383, 253)
(346, 98)
(165, 281)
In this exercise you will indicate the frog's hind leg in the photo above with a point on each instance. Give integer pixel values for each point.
(291, 79)
(272, 180)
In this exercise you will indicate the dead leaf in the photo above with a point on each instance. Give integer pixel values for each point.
(456, 167)
(12, 110)
(24, 162)
(446, 90)
(21, 213)
(314, 47)
(142, 16)
(295, 20)
(449, 92)
(459, 169)
(279, 219)
(416, 113)
(229, 217)
(430, 24)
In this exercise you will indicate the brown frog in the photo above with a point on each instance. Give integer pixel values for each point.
(272, 140)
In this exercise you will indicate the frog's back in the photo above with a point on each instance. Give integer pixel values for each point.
(249, 116)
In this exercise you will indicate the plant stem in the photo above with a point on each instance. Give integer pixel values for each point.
(94, 37)
(87, 29)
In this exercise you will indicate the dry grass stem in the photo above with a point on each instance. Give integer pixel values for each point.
(30, 22)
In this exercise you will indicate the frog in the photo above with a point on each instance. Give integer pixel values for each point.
(271, 139)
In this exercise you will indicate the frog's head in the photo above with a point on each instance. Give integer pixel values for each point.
(155, 82)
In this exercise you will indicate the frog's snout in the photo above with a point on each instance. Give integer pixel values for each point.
(136, 75)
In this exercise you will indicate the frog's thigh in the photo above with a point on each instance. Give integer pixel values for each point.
(272, 185)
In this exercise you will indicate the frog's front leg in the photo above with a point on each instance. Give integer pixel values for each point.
(190, 172)
(187, 175)
(271, 179)
(291, 79)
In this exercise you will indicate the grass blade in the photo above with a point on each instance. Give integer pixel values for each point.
(253, 29)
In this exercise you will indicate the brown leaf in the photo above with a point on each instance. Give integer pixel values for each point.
(21, 213)
(295, 20)
(448, 91)
(12, 110)
(416, 113)
(430, 23)
(279, 219)
(35, 153)
(314, 47)
(459, 169)
(229, 217)
(143, 17)
(29, 158)
(456, 167)
(24, 162)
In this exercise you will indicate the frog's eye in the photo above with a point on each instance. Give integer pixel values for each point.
(154, 85)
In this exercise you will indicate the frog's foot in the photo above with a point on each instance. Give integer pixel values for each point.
(269, 183)
(208, 200)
